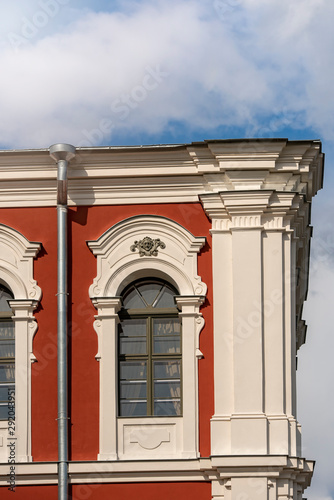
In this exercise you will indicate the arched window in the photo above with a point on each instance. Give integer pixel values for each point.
(19, 297)
(149, 351)
(7, 352)
(148, 364)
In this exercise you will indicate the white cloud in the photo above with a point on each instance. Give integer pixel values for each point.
(219, 74)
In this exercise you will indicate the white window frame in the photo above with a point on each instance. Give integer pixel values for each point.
(117, 266)
(16, 273)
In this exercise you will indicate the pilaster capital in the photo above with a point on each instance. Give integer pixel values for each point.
(258, 209)
(107, 306)
(189, 303)
(236, 209)
(22, 308)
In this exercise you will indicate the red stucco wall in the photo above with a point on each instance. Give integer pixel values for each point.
(127, 491)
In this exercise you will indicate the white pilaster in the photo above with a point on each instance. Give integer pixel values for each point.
(105, 326)
(192, 321)
(25, 328)
(255, 302)
(239, 424)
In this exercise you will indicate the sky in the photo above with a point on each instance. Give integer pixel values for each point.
(125, 72)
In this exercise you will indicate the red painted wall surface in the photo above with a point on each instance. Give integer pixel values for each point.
(127, 491)
(88, 223)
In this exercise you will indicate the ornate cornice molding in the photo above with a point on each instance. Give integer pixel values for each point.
(176, 173)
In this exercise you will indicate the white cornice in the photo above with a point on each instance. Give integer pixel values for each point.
(204, 469)
(156, 174)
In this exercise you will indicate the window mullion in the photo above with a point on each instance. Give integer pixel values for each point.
(149, 368)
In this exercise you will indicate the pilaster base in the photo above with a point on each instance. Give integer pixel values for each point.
(257, 434)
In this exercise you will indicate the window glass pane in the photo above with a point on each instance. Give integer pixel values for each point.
(133, 345)
(132, 336)
(166, 298)
(133, 327)
(150, 292)
(4, 392)
(132, 370)
(167, 389)
(166, 326)
(6, 330)
(3, 411)
(7, 372)
(153, 294)
(7, 349)
(133, 300)
(166, 335)
(167, 369)
(162, 407)
(133, 389)
(133, 409)
(4, 296)
(166, 345)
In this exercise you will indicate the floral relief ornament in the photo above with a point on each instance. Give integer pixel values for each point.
(147, 246)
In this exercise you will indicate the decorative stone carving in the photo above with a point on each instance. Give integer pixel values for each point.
(147, 246)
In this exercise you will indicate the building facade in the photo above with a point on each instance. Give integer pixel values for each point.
(187, 274)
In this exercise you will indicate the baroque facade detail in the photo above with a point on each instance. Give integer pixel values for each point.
(147, 246)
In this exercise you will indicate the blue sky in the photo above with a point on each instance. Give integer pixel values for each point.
(145, 72)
